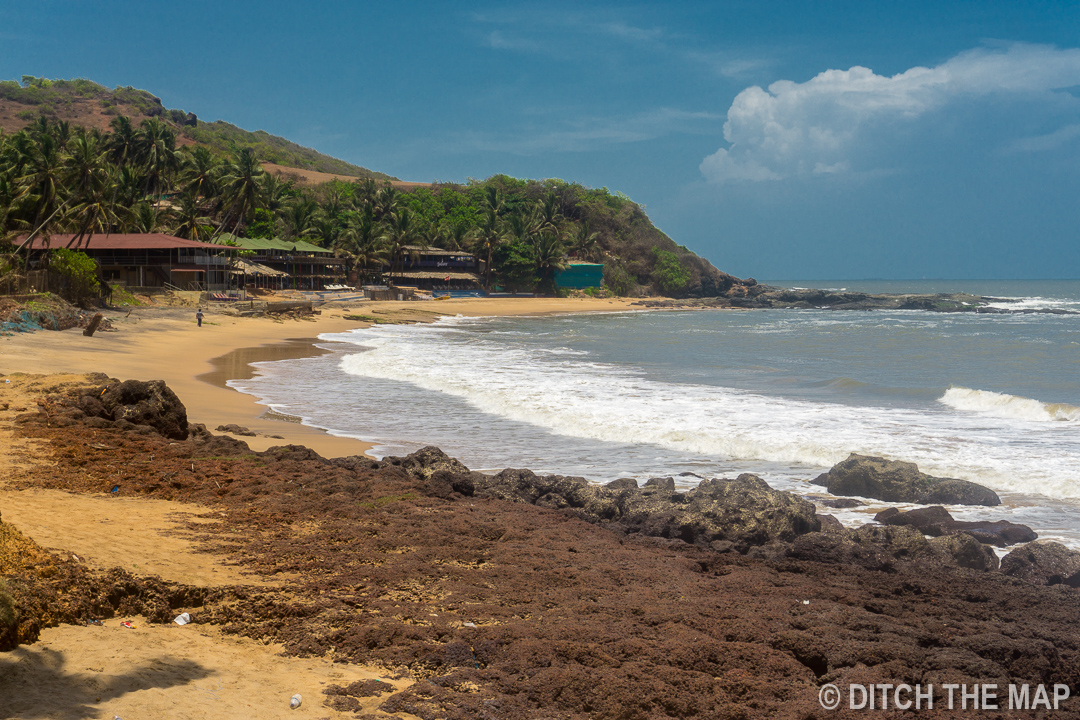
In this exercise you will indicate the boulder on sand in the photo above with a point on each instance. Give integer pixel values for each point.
(142, 403)
(897, 481)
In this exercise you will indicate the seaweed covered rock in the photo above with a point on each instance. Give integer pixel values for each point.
(141, 402)
(9, 620)
(936, 521)
(897, 481)
(1044, 563)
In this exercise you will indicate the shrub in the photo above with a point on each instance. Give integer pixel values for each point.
(669, 275)
(616, 279)
(78, 271)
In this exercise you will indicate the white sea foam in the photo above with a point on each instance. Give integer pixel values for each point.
(574, 396)
(1036, 303)
(1001, 405)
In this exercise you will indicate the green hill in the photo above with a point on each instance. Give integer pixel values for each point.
(87, 103)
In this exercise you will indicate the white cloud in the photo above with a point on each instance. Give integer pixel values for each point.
(822, 125)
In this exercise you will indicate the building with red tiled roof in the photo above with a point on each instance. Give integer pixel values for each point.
(149, 259)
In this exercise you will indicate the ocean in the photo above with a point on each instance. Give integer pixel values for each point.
(784, 394)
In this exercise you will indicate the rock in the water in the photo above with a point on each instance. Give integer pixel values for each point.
(146, 403)
(897, 481)
(1044, 563)
(937, 521)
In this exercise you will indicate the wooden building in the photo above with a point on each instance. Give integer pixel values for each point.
(149, 259)
(435, 269)
(300, 265)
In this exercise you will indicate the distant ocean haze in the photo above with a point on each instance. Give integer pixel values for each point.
(783, 393)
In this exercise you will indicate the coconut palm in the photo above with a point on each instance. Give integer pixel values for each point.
(583, 242)
(144, 218)
(548, 215)
(488, 236)
(198, 174)
(123, 141)
(156, 152)
(455, 235)
(41, 184)
(241, 187)
(190, 222)
(299, 218)
(360, 243)
(550, 254)
(87, 178)
(401, 232)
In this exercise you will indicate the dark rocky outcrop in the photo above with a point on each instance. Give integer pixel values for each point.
(9, 620)
(141, 402)
(884, 548)
(744, 512)
(1044, 563)
(235, 430)
(897, 481)
(937, 521)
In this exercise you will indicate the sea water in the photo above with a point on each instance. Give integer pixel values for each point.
(784, 394)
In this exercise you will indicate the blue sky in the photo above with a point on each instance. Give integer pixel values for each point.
(782, 140)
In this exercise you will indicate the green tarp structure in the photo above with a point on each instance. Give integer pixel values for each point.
(579, 276)
(286, 246)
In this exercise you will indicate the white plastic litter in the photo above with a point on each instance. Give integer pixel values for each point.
(295, 700)
(182, 619)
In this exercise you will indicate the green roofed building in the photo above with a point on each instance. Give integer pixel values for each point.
(580, 275)
(299, 264)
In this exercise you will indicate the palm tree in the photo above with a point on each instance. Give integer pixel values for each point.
(583, 242)
(240, 184)
(190, 221)
(550, 252)
(300, 218)
(275, 192)
(199, 172)
(123, 140)
(156, 151)
(549, 216)
(144, 218)
(488, 236)
(360, 242)
(386, 201)
(41, 184)
(455, 235)
(401, 232)
(87, 178)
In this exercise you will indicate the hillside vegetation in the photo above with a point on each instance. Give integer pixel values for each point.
(133, 175)
(86, 103)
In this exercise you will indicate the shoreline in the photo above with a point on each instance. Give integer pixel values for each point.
(165, 343)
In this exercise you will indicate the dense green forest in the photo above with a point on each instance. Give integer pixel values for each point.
(58, 177)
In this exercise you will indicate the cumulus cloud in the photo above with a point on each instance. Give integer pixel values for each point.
(821, 126)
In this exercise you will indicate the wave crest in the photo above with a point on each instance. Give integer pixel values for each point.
(1003, 405)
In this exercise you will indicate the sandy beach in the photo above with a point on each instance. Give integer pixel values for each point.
(150, 670)
(166, 344)
(414, 588)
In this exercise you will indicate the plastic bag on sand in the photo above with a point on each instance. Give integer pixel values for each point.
(182, 619)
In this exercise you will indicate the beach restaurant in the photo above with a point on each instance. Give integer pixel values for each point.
(277, 264)
(148, 259)
(435, 269)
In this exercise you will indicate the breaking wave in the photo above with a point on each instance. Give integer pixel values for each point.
(1002, 405)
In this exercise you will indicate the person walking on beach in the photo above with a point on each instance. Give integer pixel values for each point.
(198, 316)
